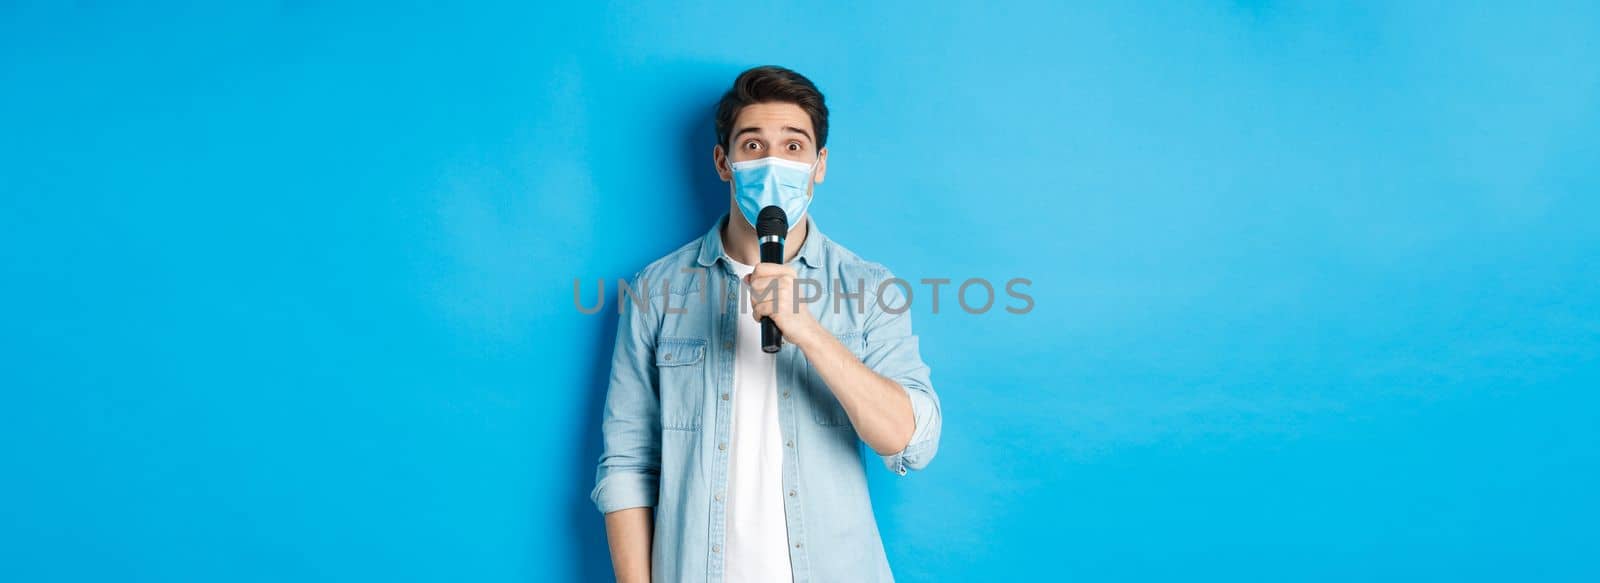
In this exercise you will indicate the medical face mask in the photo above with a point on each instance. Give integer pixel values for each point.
(772, 181)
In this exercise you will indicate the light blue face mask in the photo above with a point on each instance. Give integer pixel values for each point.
(772, 181)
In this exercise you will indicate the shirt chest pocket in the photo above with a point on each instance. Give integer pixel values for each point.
(681, 365)
(825, 408)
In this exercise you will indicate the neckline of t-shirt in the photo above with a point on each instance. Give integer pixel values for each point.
(737, 266)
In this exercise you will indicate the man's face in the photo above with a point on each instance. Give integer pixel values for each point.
(771, 129)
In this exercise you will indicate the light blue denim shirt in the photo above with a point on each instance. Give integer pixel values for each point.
(668, 413)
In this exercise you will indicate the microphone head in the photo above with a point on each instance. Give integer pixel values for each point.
(772, 221)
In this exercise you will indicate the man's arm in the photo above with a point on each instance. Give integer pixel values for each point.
(628, 532)
(879, 409)
(886, 393)
(627, 479)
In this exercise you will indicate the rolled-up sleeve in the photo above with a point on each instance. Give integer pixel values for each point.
(892, 351)
(629, 470)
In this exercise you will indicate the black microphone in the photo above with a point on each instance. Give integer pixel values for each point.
(771, 227)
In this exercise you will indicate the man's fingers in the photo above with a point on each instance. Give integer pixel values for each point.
(761, 310)
(769, 286)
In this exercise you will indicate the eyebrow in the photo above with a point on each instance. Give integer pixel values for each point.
(798, 131)
(753, 129)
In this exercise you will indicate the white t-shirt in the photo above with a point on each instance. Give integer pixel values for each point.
(758, 535)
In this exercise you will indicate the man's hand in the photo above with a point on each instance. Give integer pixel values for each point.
(879, 408)
(773, 295)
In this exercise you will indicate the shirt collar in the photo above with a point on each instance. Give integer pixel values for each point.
(810, 252)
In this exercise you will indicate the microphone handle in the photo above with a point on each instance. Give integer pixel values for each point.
(771, 336)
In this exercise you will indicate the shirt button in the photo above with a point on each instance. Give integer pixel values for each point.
(719, 496)
(722, 446)
(727, 345)
(786, 394)
(718, 548)
(797, 545)
(791, 493)
(789, 443)
(667, 356)
(724, 396)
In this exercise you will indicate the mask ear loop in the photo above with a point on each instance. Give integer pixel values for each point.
(811, 176)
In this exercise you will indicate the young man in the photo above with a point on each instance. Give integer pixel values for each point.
(723, 462)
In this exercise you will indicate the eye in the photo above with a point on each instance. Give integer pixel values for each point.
(794, 146)
(752, 145)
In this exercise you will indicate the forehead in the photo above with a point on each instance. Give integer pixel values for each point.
(772, 117)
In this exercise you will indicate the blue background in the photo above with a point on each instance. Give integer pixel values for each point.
(288, 288)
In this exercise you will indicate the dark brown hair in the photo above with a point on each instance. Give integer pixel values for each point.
(772, 84)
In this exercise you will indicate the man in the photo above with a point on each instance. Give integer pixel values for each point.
(722, 462)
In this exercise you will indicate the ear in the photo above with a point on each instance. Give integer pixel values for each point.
(719, 159)
(822, 166)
